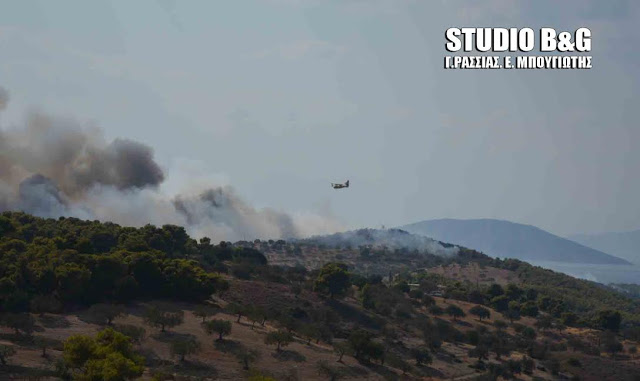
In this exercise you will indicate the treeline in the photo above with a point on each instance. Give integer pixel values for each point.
(48, 264)
(513, 301)
(582, 297)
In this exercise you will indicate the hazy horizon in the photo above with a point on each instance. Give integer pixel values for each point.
(279, 98)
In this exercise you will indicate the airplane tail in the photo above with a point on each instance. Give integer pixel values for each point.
(347, 183)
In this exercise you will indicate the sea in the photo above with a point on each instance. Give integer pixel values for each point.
(598, 273)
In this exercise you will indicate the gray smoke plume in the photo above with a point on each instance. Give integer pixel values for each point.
(4, 98)
(76, 158)
(221, 204)
(41, 196)
(53, 166)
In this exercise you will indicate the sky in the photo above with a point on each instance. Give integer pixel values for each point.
(279, 98)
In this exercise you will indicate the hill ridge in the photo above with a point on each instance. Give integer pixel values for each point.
(502, 238)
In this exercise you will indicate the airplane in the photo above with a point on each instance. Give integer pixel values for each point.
(340, 186)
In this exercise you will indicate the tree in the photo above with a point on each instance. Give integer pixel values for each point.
(528, 365)
(332, 372)
(287, 321)
(237, 309)
(247, 356)
(512, 314)
(281, 338)
(42, 304)
(569, 319)
(396, 361)
(340, 348)
(162, 318)
(136, 333)
(78, 350)
(375, 351)
(476, 296)
(436, 310)
(108, 356)
(428, 300)
(19, 322)
(184, 347)
(204, 312)
(543, 322)
(221, 327)
(500, 346)
(529, 333)
(481, 351)
(454, 311)
(42, 343)
(106, 313)
(421, 355)
(611, 344)
(495, 290)
(480, 312)
(514, 292)
(609, 320)
(6, 351)
(333, 279)
(255, 315)
(500, 303)
(529, 308)
(632, 351)
(500, 325)
(363, 346)
(310, 332)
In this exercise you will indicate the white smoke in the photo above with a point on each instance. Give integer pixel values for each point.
(388, 238)
(53, 166)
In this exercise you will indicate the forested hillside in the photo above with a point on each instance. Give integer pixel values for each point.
(90, 300)
(78, 262)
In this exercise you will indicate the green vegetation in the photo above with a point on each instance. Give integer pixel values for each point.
(46, 263)
(163, 317)
(455, 312)
(105, 313)
(221, 327)
(183, 347)
(108, 356)
(333, 279)
(279, 338)
(203, 311)
(6, 352)
(407, 319)
(480, 312)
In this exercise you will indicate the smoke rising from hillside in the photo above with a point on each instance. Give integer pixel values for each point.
(389, 238)
(53, 166)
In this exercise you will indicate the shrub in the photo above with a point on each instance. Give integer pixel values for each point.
(280, 338)
(184, 347)
(221, 327)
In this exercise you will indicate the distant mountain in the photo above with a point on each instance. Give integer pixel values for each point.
(621, 244)
(506, 239)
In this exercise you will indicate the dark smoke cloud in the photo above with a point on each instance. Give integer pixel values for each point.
(123, 164)
(76, 157)
(53, 166)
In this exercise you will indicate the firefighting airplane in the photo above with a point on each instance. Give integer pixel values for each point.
(340, 186)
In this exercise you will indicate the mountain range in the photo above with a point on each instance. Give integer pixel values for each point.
(621, 244)
(507, 239)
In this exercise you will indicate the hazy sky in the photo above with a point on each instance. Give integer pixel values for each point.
(279, 98)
